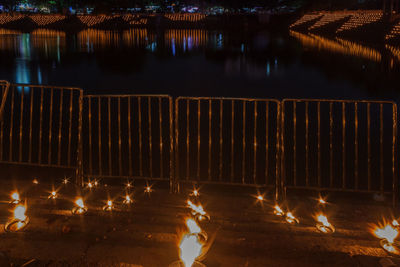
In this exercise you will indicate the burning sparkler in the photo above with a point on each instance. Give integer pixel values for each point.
(278, 211)
(388, 233)
(20, 220)
(198, 211)
(109, 206)
(80, 207)
(15, 199)
(291, 219)
(324, 225)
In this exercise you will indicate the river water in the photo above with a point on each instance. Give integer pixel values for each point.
(195, 62)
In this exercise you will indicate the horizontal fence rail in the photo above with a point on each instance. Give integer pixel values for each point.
(227, 140)
(4, 87)
(340, 145)
(41, 126)
(128, 136)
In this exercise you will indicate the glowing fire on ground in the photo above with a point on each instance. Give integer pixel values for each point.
(278, 211)
(290, 218)
(198, 211)
(53, 195)
(388, 232)
(80, 207)
(190, 246)
(15, 199)
(19, 215)
(323, 224)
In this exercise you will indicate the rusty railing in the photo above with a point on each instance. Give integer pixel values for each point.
(339, 145)
(4, 87)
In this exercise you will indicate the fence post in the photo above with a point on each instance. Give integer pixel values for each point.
(6, 87)
(79, 163)
(394, 159)
(172, 181)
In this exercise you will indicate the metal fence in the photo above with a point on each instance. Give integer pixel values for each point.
(227, 141)
(128, 136)
(340, 145)
(4, 87)
(41, 126)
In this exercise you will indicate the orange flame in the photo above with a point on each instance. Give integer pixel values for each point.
(324, 220)
(388, 232)
(278, 211)
(190, 246)
(15, 197)
(79, 203)
(196, 209)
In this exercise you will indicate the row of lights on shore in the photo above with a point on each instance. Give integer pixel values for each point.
(192, 242)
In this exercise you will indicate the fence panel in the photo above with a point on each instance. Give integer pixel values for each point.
(340, 145)
(128, 136)
(41, 126)
(227, 141)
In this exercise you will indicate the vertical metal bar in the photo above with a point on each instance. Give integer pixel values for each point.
(40, 127)
(174, 176)
(70, 127)
(331, 144)
(294, 143)
(244, 143)
(343, 145)
(255, 144)
(187, 140)
(221, 110)
(150, 138)
(79, 169)
(109, 137)
(161, 137)
(356, 146)
(119, 138)
(50, 125)
(60, 126)
(319, 145)
(381, 147)
(306, 146)
(21, 121)
(232, 140)
(140, 136)
(266, 142)
(11, 124)
(394, 158)
(198, 139)
(369, 145)
(89, 99)
(99, 131)
(280, 148)
(130, 137)
(30, 127)
(209, 138)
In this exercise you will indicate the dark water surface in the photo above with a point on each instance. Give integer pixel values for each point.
(202, 63)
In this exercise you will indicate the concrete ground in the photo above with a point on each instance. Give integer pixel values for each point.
(244, 232)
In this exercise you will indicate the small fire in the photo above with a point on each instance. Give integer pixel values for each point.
(148, 189)
(196, 209)
(90, 185)
(195, 193)
(395, 223)
(127, 200)
(388, 232)
(35, 181)
(80, 207)
(278, 211)
(190, 246)
(20, 217)
(53, 195)
(65, 181)
(15, 199)
(260, 197)
(290, 218)
(128, 185)
(321, 201)
(323, 224)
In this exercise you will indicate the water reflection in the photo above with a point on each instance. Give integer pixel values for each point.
(193, 58)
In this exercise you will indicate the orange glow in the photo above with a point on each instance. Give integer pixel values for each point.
(196, 209)
(79, 203)
(278, 211)
(290, 218)
(15, 199)
(323, 224)
(321, 200)
(35, 181)
(195, 193)
(127, 200)
(65, 181)
(53, 195)
(260, 198)
(395, 223)
(148, 189)
(388, 232)
(19, 215)
(190, 246)
(90, 185)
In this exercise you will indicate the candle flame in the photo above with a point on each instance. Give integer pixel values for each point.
(79, 203)
(324, 220)
(65, 181)
(195, 193)
(260, 197)
(90, 185)
(278, 211)
(35, 181)
(388, 232)
(196, 209)
(15, 197)
(109, 203)
(190, 246)
(395, 223)
(321, 200)
(290, 218)
(19, 213)
(128, 199)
